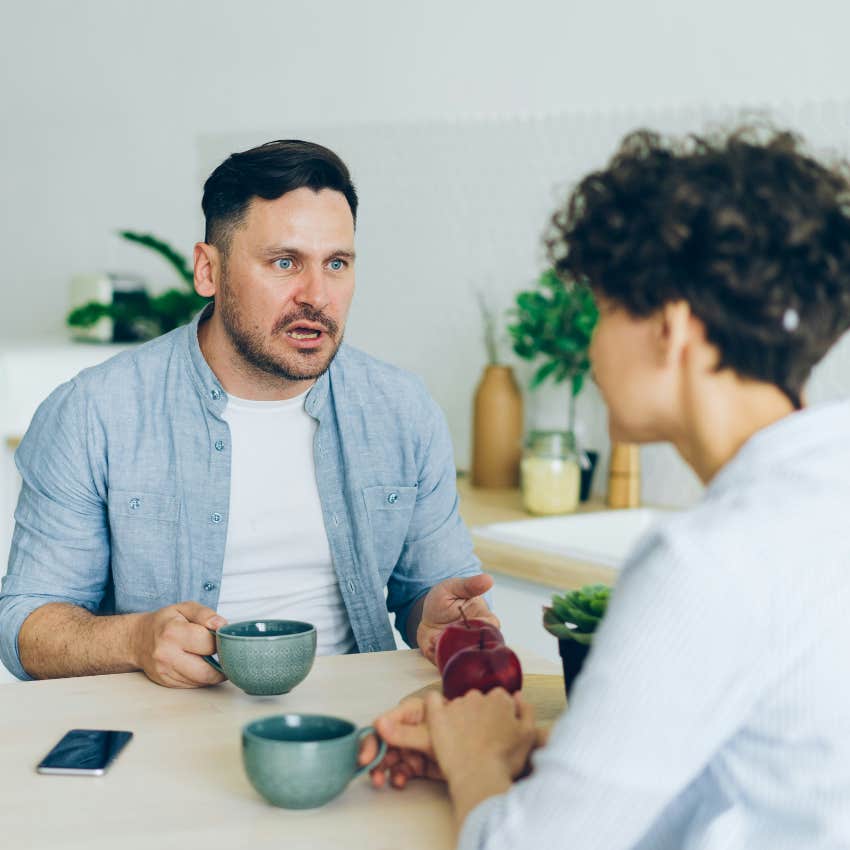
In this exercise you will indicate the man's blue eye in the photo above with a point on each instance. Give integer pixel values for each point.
(280, 264)
(336, 265)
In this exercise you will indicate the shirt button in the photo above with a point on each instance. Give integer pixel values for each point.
(209, 586)
(216, 517)
(135, 503)
(392, 498)
(216, 394)
(336, 519)
(352, 586)
(219, 445)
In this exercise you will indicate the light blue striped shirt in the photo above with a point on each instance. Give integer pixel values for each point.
(713, 712)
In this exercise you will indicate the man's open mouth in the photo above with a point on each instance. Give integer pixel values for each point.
(305, 331)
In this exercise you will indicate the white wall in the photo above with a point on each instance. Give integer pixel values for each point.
(103, 102)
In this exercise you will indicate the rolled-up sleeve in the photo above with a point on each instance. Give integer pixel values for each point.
(60, 546)
(438, 545)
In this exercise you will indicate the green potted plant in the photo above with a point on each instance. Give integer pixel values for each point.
(145, 316)
(573, 618)
(553, 323)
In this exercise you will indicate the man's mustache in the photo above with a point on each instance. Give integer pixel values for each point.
(307, 314)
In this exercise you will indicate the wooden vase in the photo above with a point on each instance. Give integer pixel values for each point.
(497, 425)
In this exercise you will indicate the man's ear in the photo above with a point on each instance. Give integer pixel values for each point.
(675, 331)
(207, 262)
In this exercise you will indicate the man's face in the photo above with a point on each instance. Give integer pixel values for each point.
(287, 284)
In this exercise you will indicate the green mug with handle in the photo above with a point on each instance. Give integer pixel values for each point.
(265, 657)
(302, 761)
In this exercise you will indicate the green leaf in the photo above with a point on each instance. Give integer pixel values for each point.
(169, 254)
(543, 373)
(578, 383)
(554, 321)
(87, 314)
(553, 624)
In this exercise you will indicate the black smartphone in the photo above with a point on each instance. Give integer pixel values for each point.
(84, 752)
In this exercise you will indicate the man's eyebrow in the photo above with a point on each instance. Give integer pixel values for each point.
(281, 250)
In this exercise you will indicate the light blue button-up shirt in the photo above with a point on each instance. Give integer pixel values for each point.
(126, 483)
(713, 712)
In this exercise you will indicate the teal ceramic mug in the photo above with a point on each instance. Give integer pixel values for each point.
(301, 761)
(265, 657)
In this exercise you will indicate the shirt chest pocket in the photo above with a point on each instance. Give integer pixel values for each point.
(390, 510)
(143, 543)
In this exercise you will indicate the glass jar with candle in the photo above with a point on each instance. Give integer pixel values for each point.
(550, 473)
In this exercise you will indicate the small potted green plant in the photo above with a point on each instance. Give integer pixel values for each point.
(145, 316)
(553, 323)
(573, 618)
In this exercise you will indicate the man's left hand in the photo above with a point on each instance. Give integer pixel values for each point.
(442, 607)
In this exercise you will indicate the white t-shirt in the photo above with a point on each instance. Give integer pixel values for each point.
(277, 561)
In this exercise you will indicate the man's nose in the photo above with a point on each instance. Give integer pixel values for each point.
(312, 289)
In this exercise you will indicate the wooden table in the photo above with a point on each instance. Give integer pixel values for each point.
(180, 782)
(483, 507)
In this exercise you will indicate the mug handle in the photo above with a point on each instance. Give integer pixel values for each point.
(382, 749)
(211, 661)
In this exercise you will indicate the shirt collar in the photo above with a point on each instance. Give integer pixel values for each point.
(800, 433)
(213, 393)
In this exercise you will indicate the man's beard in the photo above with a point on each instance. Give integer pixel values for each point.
(296, 366)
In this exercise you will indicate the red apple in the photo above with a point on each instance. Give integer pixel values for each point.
(460, 635)
(482, 668)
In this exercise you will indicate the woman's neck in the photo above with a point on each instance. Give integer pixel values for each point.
(722, 416)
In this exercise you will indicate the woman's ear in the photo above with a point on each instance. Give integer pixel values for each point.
(207, 264)
(676, 328)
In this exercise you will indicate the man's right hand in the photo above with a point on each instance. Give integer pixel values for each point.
(168, 645)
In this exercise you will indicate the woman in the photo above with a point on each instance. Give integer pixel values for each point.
(714, 708)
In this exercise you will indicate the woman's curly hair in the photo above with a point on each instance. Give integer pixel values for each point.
(745, 226)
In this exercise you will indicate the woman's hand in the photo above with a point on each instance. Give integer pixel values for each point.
(409, 752)
(481, 743)
(407, 732)
(494, 728)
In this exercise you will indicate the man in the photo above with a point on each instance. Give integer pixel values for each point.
(244, 466)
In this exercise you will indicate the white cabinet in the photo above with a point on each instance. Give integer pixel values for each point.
(29, 372)
(519, 605)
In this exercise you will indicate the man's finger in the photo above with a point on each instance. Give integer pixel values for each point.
(196, 670)
(477, 607)
(469, 586)
(196, 639)
(194, 612)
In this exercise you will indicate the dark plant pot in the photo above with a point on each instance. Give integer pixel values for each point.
(587, 476)
(573, 654)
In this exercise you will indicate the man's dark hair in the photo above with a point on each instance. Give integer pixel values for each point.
(746, 227)
(269, 171)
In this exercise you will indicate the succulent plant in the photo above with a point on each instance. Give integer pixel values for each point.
(576, 614)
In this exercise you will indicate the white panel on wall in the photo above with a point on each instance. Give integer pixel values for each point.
(448, 206)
